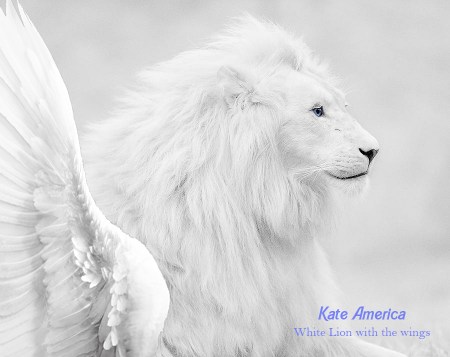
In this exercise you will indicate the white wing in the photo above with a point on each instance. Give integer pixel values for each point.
(71, 283)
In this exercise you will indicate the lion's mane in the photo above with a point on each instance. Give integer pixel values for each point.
(190, 165)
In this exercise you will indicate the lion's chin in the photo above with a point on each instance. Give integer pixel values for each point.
(352, 186)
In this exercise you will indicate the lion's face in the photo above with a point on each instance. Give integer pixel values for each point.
(319, 139)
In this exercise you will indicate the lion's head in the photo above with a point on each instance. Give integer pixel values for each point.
(295, 102)
(253, 119)
(319, 137)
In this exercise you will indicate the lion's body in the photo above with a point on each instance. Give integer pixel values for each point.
(192, 168)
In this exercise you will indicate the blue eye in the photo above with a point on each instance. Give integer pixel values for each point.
(318, 111)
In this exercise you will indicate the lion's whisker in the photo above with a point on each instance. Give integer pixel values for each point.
(309, 171)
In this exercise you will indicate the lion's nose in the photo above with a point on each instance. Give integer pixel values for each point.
(369, 153)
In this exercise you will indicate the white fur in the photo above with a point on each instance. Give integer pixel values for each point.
(216, 163)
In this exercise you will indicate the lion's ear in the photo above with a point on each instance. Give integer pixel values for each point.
(234, 84)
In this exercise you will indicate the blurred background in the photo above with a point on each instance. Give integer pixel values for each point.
(392, 249)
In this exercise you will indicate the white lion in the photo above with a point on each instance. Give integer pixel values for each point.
(224, 162)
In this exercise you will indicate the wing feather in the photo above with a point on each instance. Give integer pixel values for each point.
(65, 271)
